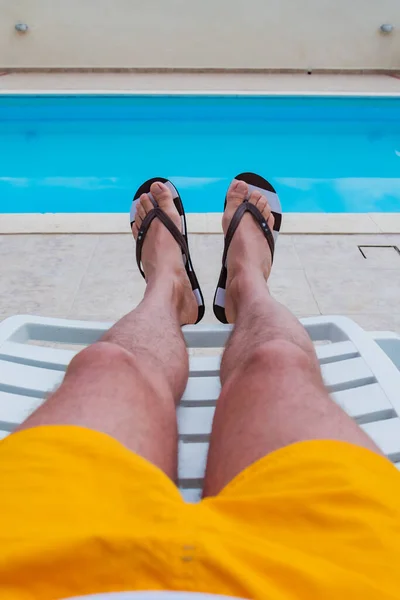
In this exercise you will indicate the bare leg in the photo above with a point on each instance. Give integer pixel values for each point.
(273, 394)
(128, 383)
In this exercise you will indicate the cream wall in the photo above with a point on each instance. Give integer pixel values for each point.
(229, 34)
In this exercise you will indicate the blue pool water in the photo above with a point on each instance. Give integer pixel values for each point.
(90, 153)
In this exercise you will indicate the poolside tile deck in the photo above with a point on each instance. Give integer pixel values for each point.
(112, 284)
(41, 274)
(352, 291)
(342, 251)
(95, 277)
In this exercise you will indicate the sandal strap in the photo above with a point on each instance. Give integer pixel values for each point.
(158, 213)
(237, 217)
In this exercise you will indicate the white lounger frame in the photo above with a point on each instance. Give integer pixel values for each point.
(356, 368)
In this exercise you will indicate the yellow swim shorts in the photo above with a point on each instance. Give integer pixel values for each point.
(81, 514)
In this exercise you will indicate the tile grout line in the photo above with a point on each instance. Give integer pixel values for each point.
(306, 276)
(371, 216)
(296, 252)
(312, 292)
(83, 275)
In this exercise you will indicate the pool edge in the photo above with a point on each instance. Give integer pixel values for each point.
(198, 223)
(182, 92)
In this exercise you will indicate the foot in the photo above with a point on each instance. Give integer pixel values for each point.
(249, 257)
(161, 255)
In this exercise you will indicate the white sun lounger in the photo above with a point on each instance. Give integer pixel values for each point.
(359, 370)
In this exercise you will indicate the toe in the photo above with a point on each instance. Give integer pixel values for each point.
(266, 211)
(271, 221)
(162, 194)
(135, 230)
(138, 221)
(237, 192)
(262, 205)
(146, 204)
(256, 198)
(140, 214)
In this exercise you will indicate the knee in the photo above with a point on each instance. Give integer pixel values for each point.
(103, 355)
(104, 361)
(280, 355)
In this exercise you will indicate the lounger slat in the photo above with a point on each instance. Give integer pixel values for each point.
(206, 336)
(55, 358)
(40, 356)
(15, 408)
(326, 354)
(204, 366)
(337, 375)
(346, 374)
(339, 351)
(192, 495)
(48, 357)
(192, 460)
(202, 388)
(28, 380)
(365, 403)
(386, 435)
(194, 421)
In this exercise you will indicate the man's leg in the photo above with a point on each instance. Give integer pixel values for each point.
(128, 383)
(272, 390)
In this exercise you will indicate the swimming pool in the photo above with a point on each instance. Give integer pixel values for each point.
(89, 153)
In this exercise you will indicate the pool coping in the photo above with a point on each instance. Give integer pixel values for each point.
(198, 223)
(203, 82)
(167, 92)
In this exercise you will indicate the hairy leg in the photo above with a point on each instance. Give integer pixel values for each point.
(272, 390)
(128, 384)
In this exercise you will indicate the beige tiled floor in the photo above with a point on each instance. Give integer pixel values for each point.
(95, 276)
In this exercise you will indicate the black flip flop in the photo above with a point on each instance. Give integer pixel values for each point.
(181, 238)
(254, 182)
